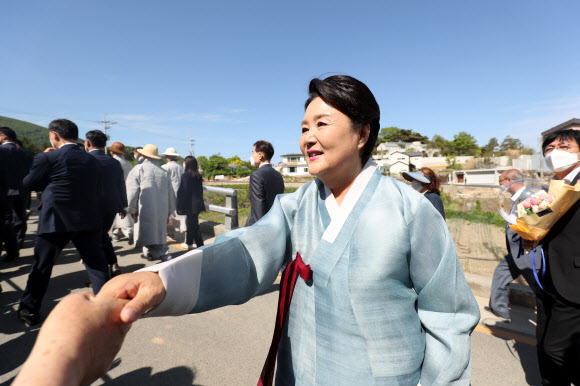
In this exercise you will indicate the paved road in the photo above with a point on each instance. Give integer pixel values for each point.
(220, 347)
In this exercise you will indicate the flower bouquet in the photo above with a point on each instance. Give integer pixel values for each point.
(540, 210)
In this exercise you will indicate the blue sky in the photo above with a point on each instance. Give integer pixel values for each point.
(228, 73)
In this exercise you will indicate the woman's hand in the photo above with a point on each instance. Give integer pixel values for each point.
(77, 342)
(144, 290)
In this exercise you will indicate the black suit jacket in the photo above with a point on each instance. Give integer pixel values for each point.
(562, 251)
(113, 193)
(18, 163)
(265, 184)
(190, 195)
(69, 180)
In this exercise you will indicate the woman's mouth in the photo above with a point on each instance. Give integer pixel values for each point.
(314, 155)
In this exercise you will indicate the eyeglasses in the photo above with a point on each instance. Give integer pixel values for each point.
(562, 146)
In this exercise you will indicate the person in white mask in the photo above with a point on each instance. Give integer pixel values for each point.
(558, 327)
(425, 181)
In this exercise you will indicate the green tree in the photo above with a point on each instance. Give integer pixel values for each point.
(464, 144)
(510, 143)
(491, 147)
(438, 142)
(395, 134)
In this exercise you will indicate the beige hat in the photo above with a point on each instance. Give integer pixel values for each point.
(150, 151)
(170, 151)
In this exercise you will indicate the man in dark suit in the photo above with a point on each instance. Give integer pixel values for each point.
(516, 262)
(113, 194)
(14, 215)
(27, 200)
(558, 328)
(265, 183)
(69, 180)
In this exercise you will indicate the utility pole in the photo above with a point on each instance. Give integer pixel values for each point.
(191, 142)
(107, 125)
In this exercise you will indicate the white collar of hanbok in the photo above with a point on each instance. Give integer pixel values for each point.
(339, 214)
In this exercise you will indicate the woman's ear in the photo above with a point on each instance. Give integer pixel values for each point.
(363, 135)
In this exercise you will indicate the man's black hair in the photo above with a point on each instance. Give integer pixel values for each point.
(9, 133)
(65, 129)
(97, 138)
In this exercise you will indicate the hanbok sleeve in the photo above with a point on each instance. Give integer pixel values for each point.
(237, 266)
(446, 307)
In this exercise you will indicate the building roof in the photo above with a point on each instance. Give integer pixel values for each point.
(415, 154)
(562, 126)
(292, 155)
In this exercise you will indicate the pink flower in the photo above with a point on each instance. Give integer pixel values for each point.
(549, 198)
(526, 203)
(534, 200)
(535, 209)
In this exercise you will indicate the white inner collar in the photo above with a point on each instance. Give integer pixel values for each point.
(339, 214)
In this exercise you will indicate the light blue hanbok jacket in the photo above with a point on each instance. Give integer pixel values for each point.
(388, 303)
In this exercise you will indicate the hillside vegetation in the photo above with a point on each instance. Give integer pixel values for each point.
(33, 137)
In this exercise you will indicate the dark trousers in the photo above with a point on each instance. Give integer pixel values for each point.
(47, 247)
(193, 232)
(506, 272)
(14, 220)
(107, 245)
(558, 335)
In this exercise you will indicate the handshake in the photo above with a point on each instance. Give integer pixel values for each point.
(82, 335)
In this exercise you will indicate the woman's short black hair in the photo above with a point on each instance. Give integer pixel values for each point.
(353, 98)
(564, 135)
(65, 129)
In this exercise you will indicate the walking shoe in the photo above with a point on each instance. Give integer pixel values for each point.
(165, 258)
(186, 246)
(130, 240)
(501, 318)
(115, 238)
(29, 318)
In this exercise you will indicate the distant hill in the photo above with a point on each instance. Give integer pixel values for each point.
(37, 135)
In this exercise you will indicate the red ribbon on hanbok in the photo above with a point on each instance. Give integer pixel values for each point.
(289, 276)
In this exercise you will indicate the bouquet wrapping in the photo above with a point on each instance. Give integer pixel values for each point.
(539, 212)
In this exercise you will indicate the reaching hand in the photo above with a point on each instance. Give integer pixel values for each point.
(123, 214)
(77, 342)
(49, 149)
(134, 215)
(145, 290)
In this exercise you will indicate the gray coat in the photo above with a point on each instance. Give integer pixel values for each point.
(151, 196)
(126, 222)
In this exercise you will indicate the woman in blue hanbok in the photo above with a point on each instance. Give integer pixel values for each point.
(387, 302)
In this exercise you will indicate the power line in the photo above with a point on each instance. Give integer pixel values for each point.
(107, 125)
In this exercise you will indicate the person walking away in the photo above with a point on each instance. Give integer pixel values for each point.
(112, 194)
(265, 182)
(14, 214)
(175, 171)
(515, 262)
(122, 226)
(426, 182)
(69, 180)
(151, 199)
(190, 202)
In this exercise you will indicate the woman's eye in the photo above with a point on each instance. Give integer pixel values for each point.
(304, 130)
(319, 124)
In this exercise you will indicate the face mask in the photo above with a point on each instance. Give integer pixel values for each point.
(252, 162)
(559, 160)
(416, 185)
(52, 143)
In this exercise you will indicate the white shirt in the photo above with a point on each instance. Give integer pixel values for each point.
(263, 163)
(570, 177)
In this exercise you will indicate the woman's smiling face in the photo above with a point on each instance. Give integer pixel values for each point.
(329, 142)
